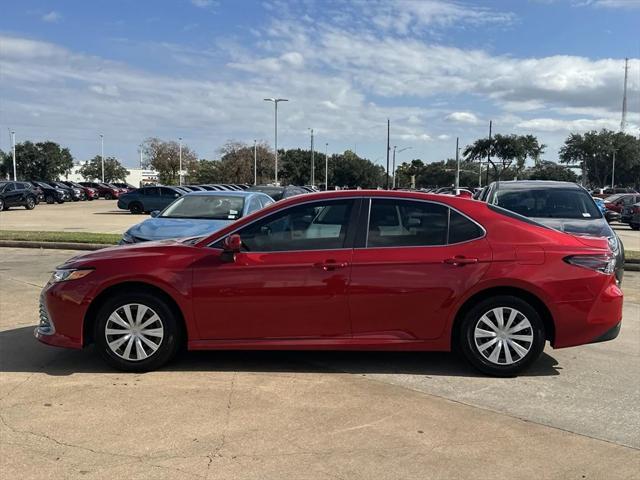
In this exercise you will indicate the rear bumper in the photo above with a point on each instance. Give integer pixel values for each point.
(610, 334)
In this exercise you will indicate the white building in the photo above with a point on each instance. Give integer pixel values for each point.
(137, 177)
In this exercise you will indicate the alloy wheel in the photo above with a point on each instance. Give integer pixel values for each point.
(503, 336)
(134, 332)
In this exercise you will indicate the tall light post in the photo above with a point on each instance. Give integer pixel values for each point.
(102, 154)
(613, 172)
(13, 148)
(393, 171)
(255, 162)
(180, 160)
(275, 103)
(313, 166)
(457, 165)
(326, 166)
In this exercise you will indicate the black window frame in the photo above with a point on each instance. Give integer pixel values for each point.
(349, 242)
(362, 236)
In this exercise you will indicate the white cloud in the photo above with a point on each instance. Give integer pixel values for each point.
(610, 3)
(577, 125)
(203, 3)
(462, 117)
(51, 17)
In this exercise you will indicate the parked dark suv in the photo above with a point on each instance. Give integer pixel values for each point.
(148, 199)
(52, 194)
(563, 206)
(16, 194)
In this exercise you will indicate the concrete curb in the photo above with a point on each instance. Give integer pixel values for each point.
(53, 245)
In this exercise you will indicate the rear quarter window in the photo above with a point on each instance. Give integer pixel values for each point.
(461, 229)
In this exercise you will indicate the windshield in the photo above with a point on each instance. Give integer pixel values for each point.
(214, 207)
(548, 203)
(613, 198)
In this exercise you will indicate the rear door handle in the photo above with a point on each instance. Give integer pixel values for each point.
(330, 265)
(460, 261)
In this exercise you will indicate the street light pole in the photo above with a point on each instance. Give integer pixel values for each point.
(255, 162)
(393, 169)
(275, 102)
(457, 165)
(13, 148)
(180, 161)
(102, 154)
(326, 166)
(613, 172)
(313, 166)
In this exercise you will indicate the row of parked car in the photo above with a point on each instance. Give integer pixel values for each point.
(30, 193)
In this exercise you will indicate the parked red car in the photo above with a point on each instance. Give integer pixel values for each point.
(105, 190)
(356, 270)
(620, 200)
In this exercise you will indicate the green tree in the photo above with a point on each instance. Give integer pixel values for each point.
(113, 170)
(205, 171)
(296, 166)
(593, 152)
(5, 165)
(505, 153)
(164, 157)
(546, 170)
(39, 161)
(348, 169)
(236, 163)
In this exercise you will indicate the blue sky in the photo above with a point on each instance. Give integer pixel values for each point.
(70, 70)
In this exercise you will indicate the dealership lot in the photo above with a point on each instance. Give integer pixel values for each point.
(341, 415)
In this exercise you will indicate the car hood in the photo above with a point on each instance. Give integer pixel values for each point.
(161, 228)
(596, 227)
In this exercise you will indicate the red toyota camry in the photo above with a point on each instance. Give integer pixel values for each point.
(357, 270)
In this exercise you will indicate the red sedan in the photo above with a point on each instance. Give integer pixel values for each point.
(357, 270)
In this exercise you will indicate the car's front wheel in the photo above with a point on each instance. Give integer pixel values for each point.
(108, 196)
(136, 332)
(30, 204)
(135, 208)
(502, 335)
(1, 205)
(49, 199)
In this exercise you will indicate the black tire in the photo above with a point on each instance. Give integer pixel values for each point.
(635, 226)
(2, 205)
(470, 348)
(60, 202)
(168, 347)
(30, 203)
(49, 199)
(135, 208)
(108, 196)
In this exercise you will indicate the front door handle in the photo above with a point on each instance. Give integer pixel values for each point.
(460, 261)
(330, 265)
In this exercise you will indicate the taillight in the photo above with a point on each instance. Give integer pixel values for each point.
(602, 263)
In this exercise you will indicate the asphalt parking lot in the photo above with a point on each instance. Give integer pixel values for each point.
(315, 415)
(103, 216)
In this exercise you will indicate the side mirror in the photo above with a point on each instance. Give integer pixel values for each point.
(230, 246)
(155, 213)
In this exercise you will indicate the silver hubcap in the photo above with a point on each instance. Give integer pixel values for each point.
(503, 336)
(134, 332)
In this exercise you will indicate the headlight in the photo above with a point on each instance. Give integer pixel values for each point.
(66, 274)
(77, 190)
(614, 244)
(127, 238)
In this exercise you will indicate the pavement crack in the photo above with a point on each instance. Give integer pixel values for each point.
(223, 440)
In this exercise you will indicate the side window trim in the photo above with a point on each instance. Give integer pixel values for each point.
(449, 208)
(348, 242)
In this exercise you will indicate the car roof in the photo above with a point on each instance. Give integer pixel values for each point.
(229, 193)
(529, 184)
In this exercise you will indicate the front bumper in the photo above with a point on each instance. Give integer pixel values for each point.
(61, 321)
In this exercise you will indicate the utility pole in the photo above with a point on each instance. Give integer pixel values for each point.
(313, 166)
(623, 122)
(457, 165)
(13, 148)
(255, 162)
(102, 154)
(388, 148)
(393, 168)
(326, 166)
(180, 160)
(275, 102)
(489, 151)
(613, 172)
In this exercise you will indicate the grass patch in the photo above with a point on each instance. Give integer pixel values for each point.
(632, 255)
(71, 237)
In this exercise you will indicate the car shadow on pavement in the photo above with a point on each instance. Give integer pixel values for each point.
(113, 212)
(21, 352)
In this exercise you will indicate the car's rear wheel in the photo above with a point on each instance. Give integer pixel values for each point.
(49, 199)
(135, 208)
(502, 335)
(136, 332)
(108, 196)
(30, 204)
